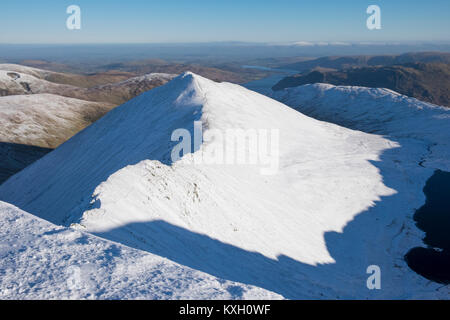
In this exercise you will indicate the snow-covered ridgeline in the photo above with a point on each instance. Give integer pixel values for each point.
(379, 111)
(341, 201)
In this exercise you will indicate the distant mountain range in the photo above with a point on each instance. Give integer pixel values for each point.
(343, 62)
(102, 72)
(428, 82)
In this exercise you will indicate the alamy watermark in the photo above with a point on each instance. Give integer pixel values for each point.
(81, 280)
(374, 20)
(73, 22)
(374, 280)
(230, 147)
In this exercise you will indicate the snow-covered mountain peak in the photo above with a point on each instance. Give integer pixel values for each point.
(118, 179)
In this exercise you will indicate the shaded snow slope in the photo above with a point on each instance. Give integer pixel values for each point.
(39, 260)
(14, 157)
(340, 201)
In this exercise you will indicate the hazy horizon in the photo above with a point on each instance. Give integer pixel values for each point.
(216, 52)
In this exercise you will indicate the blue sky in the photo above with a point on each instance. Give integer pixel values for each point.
(137, 21)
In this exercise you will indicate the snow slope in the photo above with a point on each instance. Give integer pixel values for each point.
(35, 111)
(45, 120)
(376, 110)
(15, 83)
(39, 260)
(33, 82)
(336, 205)
(35, 72)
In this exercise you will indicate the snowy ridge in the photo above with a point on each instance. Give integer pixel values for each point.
(35, 72)
(15, 83)
(135, 81)
(309, 231)
(151, 77)
(39, 260)
(219, 106)
(374, 110)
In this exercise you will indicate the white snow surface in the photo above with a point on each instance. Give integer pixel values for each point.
(39, 260)
(21, 80)
(150, 77)
(35, 72)
(44, 120)
(342, 199)
(377, 110)
(15, 81)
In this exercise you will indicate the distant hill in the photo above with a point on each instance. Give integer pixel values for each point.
(222, 73)
(343, 62)
(428, 82)
(46, 120)
(40, 109)
(20, 80)
(67, 78)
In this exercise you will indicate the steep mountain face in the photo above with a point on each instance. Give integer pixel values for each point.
(43, 261)
(426, 82)
(337, 202)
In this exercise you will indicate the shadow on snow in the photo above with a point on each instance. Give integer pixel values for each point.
(363, 242)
